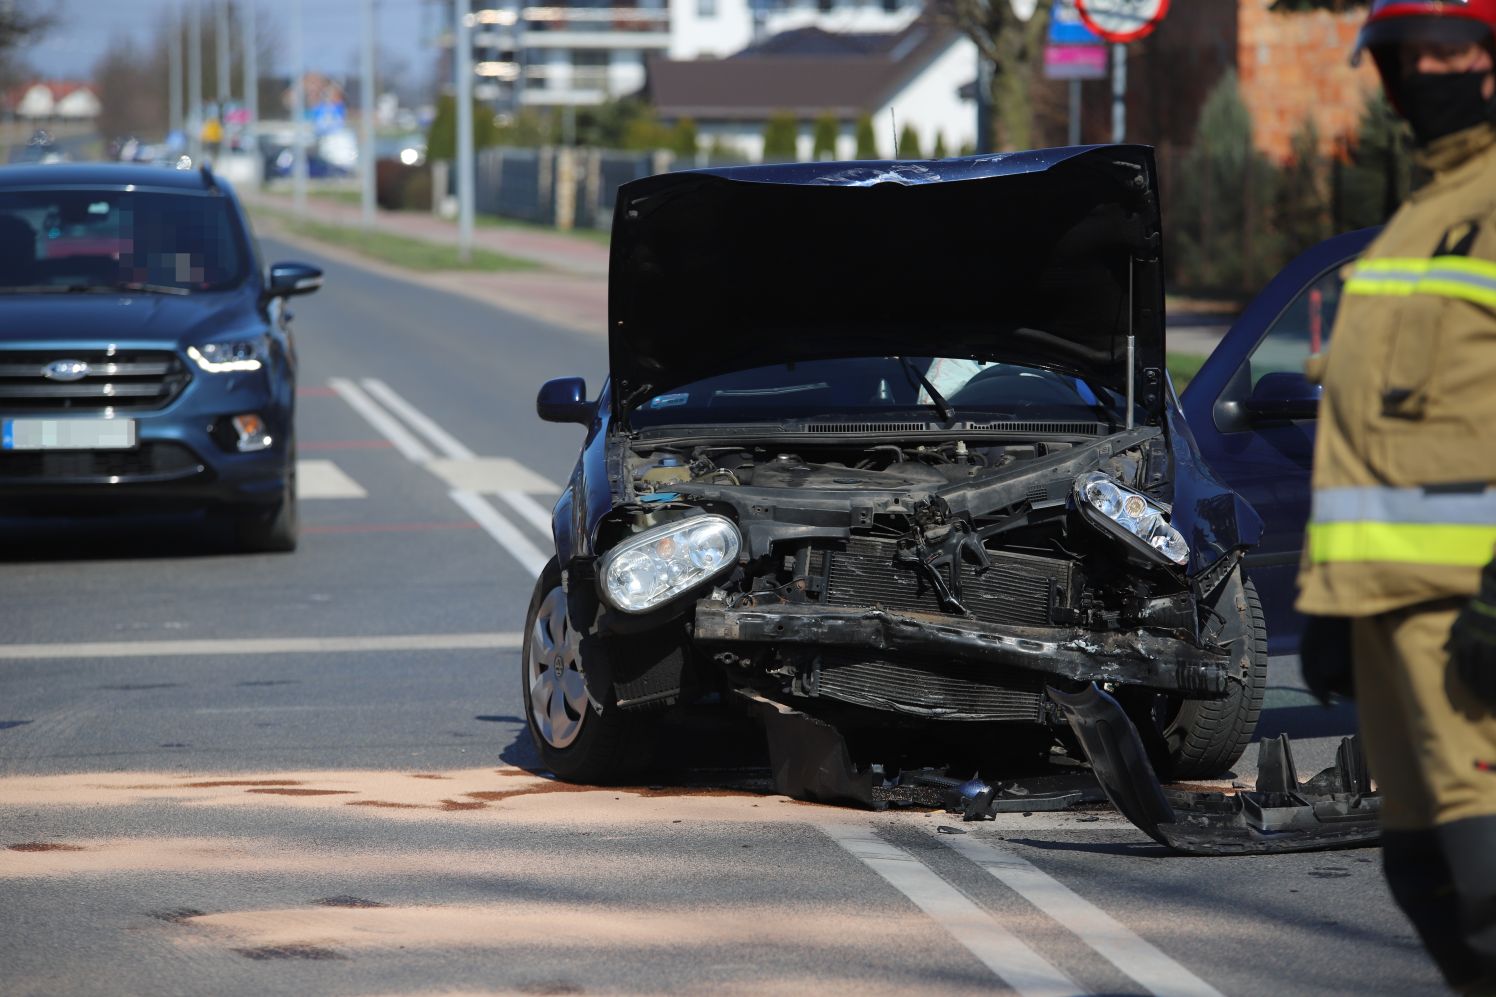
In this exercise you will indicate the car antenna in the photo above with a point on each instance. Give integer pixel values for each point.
(208, 177)
(893, 126)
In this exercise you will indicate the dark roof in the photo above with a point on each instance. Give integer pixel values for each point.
(101, 175)
(819, 41)
(799, 75)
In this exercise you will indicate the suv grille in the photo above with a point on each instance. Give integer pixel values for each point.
(143, 379)
(148, 462)
(1019, 590)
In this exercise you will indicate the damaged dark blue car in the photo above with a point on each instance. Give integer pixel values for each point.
(891, 448)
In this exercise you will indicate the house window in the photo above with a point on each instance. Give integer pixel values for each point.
(706, 8)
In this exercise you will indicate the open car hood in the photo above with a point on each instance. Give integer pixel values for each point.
(1047, 258)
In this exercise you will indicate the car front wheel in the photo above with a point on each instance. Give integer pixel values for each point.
(575, 740)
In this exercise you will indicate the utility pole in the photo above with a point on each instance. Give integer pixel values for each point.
(462, 58)
(222, 33)
(174, 73)
(251, 45)
(366, 124)
(195, 82)
(298, 113)
(1119, 93)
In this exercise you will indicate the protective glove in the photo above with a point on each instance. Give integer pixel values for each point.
(1472, 640)
(1325, 657)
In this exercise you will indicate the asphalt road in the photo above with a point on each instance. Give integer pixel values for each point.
(307, 773)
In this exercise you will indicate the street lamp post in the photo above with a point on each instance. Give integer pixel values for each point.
(298, 113)
(462, 59)
(366, 124)
(195, 81)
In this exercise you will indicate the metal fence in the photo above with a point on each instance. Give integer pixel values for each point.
(566, 187)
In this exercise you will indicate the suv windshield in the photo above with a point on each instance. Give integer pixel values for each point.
(874, 385)
(82, 239)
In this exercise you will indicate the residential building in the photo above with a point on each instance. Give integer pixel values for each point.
(919, 76)
(52, 101)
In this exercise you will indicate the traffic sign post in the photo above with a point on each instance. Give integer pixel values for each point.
(1120, 22)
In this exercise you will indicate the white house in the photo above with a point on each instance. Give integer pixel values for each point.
(53, 101)
(715, 29)
(914, 76)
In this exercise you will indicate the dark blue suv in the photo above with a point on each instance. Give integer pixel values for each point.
(146, 358)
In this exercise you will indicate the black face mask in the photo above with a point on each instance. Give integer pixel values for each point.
(1439, 104)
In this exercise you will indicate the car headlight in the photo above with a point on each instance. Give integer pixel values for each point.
(231, 355)
(1130, 514)
(653, 567)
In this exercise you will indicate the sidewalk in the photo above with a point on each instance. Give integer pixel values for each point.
(571, 290)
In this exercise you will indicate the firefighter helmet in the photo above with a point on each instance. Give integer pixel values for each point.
(1392, 22)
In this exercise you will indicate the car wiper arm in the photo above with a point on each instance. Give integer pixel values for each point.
(941, 405)
(111, 288)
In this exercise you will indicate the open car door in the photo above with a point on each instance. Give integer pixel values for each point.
(1253, 414)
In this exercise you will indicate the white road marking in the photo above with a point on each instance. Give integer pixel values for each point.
(466, 474)
(448, 444)
(490, 475)
(1151, 968)
(504, 641)
(1017, 965)
(322, 479)
(505, 532)
(529, 510)
(400, 437)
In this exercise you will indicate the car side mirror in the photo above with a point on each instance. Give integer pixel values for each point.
(564, 399)
(1283, 396)
(287, 279)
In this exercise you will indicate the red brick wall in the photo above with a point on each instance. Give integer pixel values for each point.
(1296, 66)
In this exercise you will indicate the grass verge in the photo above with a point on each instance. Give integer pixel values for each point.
(1183, 367)
(397, 250)
(601, 237)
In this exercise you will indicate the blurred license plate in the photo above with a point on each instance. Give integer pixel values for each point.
(67, 434)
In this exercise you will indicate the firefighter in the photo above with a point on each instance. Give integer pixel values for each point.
(1398, 574)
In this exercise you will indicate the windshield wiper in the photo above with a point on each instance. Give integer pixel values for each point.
(114, 288)
(941, 405)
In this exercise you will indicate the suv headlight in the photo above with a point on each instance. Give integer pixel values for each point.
(1131, 515)
(228, 356)
(653, 567)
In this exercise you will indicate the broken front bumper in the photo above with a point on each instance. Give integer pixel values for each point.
(1133, 658)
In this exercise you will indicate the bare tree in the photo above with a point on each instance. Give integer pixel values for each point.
(1014, 48)
(20, 22)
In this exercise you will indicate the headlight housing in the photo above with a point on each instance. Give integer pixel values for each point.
(1130, 515)
(651, 568)
(227, 356)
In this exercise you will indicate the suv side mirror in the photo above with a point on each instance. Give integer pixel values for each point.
(287, 279)
(1283, 396)
(564, 399)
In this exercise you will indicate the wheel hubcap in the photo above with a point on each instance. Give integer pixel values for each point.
(558, 693)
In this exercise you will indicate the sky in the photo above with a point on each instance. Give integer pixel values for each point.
(85, 29)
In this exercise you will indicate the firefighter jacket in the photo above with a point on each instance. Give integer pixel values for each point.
(1404, 482)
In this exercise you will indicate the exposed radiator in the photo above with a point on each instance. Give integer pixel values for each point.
(1018, 590)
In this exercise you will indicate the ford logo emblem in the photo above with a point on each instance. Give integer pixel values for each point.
(65, 370)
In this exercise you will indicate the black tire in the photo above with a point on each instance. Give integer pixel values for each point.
(574, 739)
(272, 529)
(1203, 738)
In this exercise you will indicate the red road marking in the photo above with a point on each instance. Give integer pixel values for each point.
(321, 392)
(345, 445)
(388, 527)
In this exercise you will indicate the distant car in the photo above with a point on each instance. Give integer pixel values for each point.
(146, 358)
(891, 447)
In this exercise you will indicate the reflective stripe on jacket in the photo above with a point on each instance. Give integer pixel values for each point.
(1404, 480)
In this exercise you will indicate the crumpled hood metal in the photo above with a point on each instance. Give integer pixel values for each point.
(1027, 257)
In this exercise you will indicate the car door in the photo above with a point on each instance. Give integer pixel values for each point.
(1253, 415)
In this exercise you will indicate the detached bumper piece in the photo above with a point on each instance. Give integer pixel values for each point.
(1335, 809)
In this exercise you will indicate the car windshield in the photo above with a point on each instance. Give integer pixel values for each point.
(85, 239)
(876, 385)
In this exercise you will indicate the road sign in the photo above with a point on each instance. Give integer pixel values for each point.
(1075, 62)
(1066, 27)
(1122, 21)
